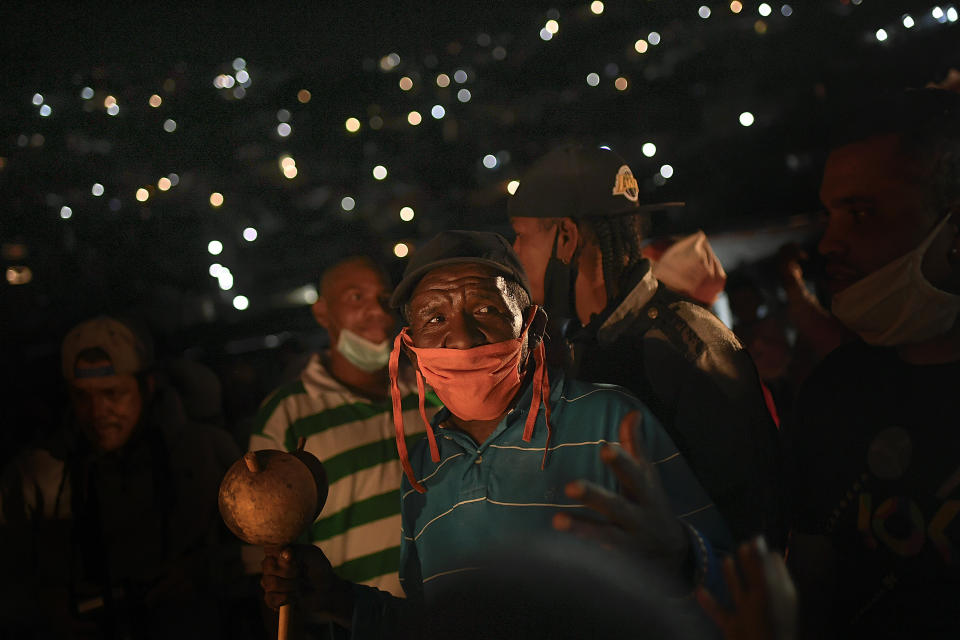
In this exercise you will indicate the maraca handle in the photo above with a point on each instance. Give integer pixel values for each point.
(283, 624)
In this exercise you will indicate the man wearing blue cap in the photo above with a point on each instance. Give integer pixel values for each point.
(579, 232)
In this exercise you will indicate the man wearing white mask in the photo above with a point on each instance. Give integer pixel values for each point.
(341, 404)
(876, 451)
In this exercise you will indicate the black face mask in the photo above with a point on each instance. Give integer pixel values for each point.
(559, 280)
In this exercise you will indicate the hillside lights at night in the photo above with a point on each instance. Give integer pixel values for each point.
(225, 279)
(703, 11)
(240, 303)
(216, 199)
(155, 101)
(764, 9)
(512, 186)
(45, 111)
(641, 46)
(746, 118)
(937, 14)
(113, 110)
(142, 195)
(214, 247)
(621, 83)
(303, 96)
(249, 234)
(649, 149)
(97, 189)
(545, 35)
(352, 125)
(438, 112)
(736, 6)
(596, 7)
(653, 38)
(490, 161)
(401, 250)
(86, 93)
(348, 203)
(283, 129)
(164, 184)
(379, 172)
(406, 214)
(37, 99)
(666, 171)
(443, 80)
(215, 270)
(464, 95)
(593, 79)
(552, 26)
(406, 83)
(908, 21)
(460, 76)
(169, 125)
(66, 212)
(414, 118)
(952, 14)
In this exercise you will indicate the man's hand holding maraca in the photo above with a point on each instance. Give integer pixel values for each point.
(301, 574)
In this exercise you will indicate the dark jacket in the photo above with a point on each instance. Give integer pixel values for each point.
(698, 380)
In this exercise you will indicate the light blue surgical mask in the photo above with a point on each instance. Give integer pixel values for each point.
(363, 354)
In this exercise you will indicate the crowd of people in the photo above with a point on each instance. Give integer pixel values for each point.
(562, 440)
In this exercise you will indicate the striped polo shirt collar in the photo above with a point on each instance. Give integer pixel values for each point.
(317, 381)
(516, 415)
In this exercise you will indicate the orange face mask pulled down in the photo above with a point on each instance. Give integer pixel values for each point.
(474, 384)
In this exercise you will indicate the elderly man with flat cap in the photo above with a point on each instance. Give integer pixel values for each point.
(519, 457)
(580, 230)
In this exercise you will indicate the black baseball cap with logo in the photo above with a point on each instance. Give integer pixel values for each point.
(460, 247)
(574, 181)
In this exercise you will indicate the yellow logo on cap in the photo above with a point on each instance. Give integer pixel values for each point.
(626, 185)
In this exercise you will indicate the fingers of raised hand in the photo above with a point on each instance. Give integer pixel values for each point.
(607, 535)
(708, 603)
(279, 591)
(614, 507)
(636, 476)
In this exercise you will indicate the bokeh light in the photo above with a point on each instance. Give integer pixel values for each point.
(241, 303)
(621, 83)
(490, 161)
(65, 212)
(352, 125)
(596, 7)
(512, 186)
(45, 110)
(142, 195)
(443, 80)
(283, 129)
(401, 250)
(437, 111)
(746, 118)
(164, 184)
(593, 79)
(97, 189)
(464, 95)
(379, 172)
(649, 149)
(764, 9)
(169, 125)
(704, 12)
(736, 6)
(348, 203)
(552, 26)
(86, 93)
(406, 83)
(214, 247)
(414, 118)
(641, 46)
(216, 199)
(406, 214)
(666, 171)
(155, 101)
(249, 234)
(303, 96)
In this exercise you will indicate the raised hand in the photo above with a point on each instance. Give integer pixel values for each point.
(301, 574)
(638, 520)
(764, 599)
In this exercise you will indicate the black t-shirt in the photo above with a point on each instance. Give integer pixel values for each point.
(876, 468)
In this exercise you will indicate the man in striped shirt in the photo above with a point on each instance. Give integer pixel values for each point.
(341, 406)
(516, 460)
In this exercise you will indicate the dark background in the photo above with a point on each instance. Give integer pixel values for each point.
(117, 255)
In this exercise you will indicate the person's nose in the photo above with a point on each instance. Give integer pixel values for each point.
(832, 243)
(463, 332)
(101, 406)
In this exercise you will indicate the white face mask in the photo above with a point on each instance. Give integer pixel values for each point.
(363, 354)
(896, 304)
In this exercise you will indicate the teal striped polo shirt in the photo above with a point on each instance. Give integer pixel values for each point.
(496, 495)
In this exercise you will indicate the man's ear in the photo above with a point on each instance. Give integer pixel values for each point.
(320, 311)
(568, 239)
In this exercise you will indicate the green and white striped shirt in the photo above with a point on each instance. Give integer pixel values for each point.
(354, 437)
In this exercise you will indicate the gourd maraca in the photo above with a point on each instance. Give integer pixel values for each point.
(269, 497)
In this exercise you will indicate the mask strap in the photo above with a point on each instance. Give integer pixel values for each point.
(398, 413)
(540, 395)
(434, 450)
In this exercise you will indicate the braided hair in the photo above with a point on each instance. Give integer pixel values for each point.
(618, 238)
